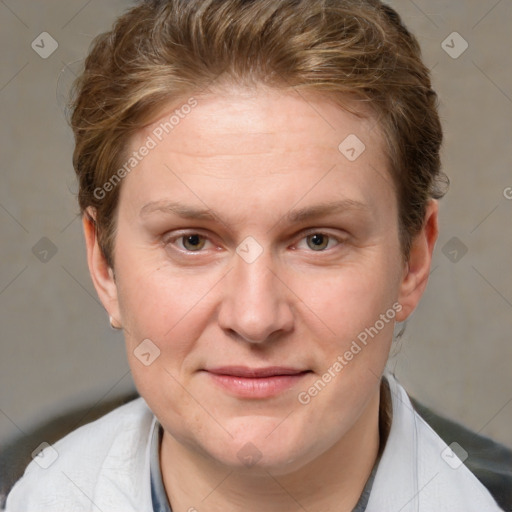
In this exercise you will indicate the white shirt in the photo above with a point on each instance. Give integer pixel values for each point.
(105, 466)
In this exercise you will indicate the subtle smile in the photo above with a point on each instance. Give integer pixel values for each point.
(247, 382)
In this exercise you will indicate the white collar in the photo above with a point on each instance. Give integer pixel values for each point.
(413, 474)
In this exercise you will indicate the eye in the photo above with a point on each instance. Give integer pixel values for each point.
(186, 245)
(193, 242)
(318, 242)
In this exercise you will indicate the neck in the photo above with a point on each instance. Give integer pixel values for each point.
(332, 481)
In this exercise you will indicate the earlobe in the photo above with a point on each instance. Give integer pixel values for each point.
(417, 268)
(102, 274)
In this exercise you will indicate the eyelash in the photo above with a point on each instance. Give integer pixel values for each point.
(171, 240)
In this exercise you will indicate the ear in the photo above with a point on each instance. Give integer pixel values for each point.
(417, 269)
(102, 275)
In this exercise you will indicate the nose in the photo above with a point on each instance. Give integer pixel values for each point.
(256, 304)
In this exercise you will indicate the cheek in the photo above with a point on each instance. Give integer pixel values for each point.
(346, 302)
(164, 315)
(156, 301)
(173, 310)
(351, 317)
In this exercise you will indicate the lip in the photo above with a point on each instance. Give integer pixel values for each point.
(245, 382)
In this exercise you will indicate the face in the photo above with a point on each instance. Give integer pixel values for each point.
(262, 261)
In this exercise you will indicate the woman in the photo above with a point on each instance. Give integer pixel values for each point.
(259, 185)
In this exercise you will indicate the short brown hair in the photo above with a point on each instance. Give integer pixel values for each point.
(161, 51)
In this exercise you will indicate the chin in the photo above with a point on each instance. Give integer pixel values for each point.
(262, 448)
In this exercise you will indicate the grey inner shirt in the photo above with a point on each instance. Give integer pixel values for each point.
(159, 497)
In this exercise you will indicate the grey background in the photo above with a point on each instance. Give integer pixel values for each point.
(57, 350)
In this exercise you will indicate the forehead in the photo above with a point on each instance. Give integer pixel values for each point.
(261, 116)
(252, 138)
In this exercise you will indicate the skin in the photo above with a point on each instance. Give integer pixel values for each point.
(251, 158)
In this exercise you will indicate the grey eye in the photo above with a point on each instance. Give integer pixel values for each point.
(317, 241)
(193, 242)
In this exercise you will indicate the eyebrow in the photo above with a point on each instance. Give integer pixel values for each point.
(180, 209)
(293, 216)
(322, 210)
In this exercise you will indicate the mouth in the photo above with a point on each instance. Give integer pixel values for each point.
(245, 382)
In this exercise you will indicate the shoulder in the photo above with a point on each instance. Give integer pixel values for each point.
(73, 472)
(421, 471)
(489, 461)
